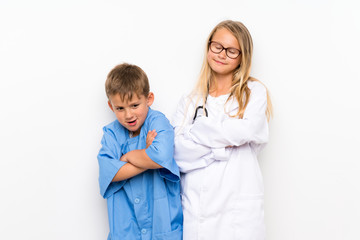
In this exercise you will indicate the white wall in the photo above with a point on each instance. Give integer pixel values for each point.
(54, 57)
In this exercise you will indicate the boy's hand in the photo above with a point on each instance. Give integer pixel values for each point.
(150, 137)
(124, 158)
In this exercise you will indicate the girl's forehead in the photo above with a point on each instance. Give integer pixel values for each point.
(225, 37)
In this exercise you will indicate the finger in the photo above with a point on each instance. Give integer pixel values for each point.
(150, 132)
(123, 158)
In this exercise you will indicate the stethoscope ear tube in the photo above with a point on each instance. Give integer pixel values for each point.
(197, 109)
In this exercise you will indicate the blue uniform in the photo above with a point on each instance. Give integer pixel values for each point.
(146, 206)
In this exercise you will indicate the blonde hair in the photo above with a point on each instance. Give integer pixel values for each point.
(239, 88)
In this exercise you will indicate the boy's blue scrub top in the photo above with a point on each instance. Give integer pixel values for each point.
(146, 206)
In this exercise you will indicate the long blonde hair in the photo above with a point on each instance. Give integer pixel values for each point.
(239, 88)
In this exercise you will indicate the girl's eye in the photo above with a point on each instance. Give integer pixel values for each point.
(232, 51)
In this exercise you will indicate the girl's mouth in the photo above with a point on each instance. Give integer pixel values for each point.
(218, 62)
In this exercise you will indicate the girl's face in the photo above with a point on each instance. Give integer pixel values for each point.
(220, 63)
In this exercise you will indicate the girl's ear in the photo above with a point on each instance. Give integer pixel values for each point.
(150, 99)
(110, 105)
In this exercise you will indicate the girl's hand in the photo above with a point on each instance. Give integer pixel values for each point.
(150, 137)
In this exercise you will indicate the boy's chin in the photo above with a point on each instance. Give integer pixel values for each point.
(134, 132)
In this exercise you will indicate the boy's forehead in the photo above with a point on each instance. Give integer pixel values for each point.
(126, 98)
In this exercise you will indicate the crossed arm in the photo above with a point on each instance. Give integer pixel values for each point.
(137, 161)
(199, 144)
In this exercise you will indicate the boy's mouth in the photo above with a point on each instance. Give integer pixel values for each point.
(132, 123)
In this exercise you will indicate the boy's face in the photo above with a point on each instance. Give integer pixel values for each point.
(132, 113)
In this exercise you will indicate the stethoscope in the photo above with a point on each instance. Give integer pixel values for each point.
(200, 111)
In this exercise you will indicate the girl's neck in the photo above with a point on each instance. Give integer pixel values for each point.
(223, 86)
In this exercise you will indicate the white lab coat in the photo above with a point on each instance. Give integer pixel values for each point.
(221, 186)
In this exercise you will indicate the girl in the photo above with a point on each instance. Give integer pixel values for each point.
(220, 128)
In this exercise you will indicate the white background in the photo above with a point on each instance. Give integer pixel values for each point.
(54, 58)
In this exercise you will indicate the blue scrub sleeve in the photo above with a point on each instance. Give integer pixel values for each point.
(161, 150)
(109, 164)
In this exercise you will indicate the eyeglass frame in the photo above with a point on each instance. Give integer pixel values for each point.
(223, 48)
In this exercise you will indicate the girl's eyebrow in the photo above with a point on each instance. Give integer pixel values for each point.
(224, 44)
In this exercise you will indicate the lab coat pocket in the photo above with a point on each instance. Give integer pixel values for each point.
(249, 218)
(173, 235)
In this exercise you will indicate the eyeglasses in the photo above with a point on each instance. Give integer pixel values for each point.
(217, 48)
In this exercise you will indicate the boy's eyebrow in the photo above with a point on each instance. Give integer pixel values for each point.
(118, 106)
(128, 103)
(134, 102)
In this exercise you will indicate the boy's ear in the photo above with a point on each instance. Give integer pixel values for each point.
(110, 105)
(150, 99)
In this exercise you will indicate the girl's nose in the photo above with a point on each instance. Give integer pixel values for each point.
(222, 54)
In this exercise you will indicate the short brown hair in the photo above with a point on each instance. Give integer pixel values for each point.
(126, 79)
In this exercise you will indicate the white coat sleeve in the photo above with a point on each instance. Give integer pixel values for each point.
(188, 154)
(253, 128)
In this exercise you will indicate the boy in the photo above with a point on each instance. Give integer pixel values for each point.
(138, 174)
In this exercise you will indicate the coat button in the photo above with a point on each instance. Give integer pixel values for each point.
(137, 200)
(143, 231)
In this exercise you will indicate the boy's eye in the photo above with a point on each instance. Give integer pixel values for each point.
(135, 105)
(119, 108)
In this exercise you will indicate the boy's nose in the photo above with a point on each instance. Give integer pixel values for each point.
(128, 114)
